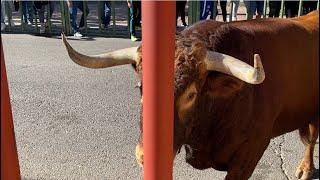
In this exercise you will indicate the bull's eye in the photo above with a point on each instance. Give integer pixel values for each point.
(191, 96)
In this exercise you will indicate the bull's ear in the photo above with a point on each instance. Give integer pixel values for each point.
(223, 86)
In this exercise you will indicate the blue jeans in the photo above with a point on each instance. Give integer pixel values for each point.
(206, 7)
(106, 13)
(135, 16)
(73, 14)
(27, 11)
(252, 6)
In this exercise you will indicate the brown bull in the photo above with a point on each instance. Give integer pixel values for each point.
(226, 111)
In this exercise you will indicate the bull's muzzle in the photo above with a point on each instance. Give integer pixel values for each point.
(139, 155)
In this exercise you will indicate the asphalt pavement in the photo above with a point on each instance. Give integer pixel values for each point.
(77, 123)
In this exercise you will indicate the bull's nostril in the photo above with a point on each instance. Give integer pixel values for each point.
(139, 155)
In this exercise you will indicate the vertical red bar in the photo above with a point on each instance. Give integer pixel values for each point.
(158, 44)
(9, 157)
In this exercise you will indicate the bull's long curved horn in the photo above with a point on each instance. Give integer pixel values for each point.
(229, 65)
(115, 58)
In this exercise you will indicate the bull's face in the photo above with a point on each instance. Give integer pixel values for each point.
(192, 63)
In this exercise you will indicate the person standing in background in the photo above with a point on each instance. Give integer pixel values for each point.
(180, 10)
(253, 7)
(73, 9)
(41, 8)
(235, 9)
(6, 13)
(274, 7)
(223, 6)
(206, 7)
(27, 12)
(105, 14)
(135, 17)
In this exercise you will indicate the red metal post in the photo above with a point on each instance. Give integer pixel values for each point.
(9, 157)
(158, 36)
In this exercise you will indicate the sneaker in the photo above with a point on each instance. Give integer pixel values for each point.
(3, 26)
(133, 38)
(42, 29)
(77, 34)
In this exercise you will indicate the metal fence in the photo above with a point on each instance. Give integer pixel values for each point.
(60, 22)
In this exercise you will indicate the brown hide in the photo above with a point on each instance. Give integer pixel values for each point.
(234, 121)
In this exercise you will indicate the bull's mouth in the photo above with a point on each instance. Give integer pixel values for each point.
(139, 155)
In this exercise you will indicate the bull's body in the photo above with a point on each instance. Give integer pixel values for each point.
(226, 111)
(233, 132)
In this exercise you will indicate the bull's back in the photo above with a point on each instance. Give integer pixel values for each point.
(290, 51)
(292, 71)
(290, 55)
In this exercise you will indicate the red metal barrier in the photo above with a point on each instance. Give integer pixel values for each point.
(9, 157)
(158, 36)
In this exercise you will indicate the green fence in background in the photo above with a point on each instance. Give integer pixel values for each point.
(193, 12)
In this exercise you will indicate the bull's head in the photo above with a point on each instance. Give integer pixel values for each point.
(193, 62)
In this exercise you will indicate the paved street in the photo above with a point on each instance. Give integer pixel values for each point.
(77, 123)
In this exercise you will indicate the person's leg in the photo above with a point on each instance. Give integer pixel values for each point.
(51, 4)
(272, 7)
(30, 11)
(235, 9)
(81, 7)
(250, 8)
(133, 16)
(178, 9)
(202, 10)
(73, 16)
(8, 12)
(24, 11)
(211, 6)
(132, 25)
(183, 14)
(135, 13)
(259, 7)
(223, 5)
(41, 12)
(277, 9)
(107, 13)
(3, 10)
(138, 16)
(3, 25)
(291, 8)
(101, 6)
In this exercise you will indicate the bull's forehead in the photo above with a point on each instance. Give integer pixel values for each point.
(188, 63)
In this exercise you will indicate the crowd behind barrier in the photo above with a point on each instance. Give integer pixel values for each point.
(123, 18)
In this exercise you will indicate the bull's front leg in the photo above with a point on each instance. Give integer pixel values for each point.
(246, 158)
(308, 135)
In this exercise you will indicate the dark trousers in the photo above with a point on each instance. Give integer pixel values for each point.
(180, 10)
(73, 14)
(292, 8)
(27, 11)
(135, 16)
(105, 13)
(275, 7)
(223, 5)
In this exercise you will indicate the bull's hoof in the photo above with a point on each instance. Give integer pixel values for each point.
(304, 174)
